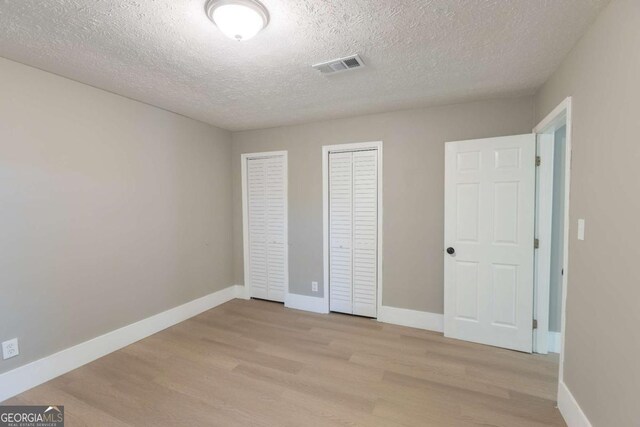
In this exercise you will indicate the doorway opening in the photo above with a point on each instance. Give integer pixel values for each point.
(551, 174)
(556, 127)
(506, 237)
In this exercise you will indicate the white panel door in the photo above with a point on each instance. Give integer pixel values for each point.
(267, 204)
(353, 239)
(489, 236)
(341, 232)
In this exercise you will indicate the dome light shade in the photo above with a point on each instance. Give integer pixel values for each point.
(238, 19)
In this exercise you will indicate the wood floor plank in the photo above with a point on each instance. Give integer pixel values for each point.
(258, 363)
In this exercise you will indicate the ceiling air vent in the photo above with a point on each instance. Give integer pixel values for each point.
(337, 65)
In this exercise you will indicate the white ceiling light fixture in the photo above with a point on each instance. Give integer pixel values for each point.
(238, 19)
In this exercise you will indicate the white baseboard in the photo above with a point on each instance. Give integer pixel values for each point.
(306, 303)
(554, 342)
(40, 371)
(242, 292)
(569, 408)
(411, 318)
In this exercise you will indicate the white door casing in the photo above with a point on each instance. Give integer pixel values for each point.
(353, 231)
(489, 222)
(265, 214)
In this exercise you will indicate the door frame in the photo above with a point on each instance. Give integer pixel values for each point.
(244, 158)
(561, 114)
(337, 148)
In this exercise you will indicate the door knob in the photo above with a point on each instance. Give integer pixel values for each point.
(451, 251)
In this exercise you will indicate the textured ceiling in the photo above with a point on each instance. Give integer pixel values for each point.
(167, 53)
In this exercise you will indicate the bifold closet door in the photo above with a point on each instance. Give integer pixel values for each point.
(267, 204)
(341, 232)
(353, 232)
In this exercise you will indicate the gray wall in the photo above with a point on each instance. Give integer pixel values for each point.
(602, 74)
(557, 231)
(413, 189)
(110, 210)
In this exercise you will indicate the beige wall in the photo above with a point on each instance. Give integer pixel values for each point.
(110, 211)
(602, 74)
(413, 189)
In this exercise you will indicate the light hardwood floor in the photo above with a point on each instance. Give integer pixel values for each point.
(258, 363)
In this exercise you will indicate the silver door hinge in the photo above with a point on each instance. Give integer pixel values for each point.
(538, 160)
(536, 243)
(535, 323)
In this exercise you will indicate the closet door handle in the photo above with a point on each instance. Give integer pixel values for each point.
(451, 251)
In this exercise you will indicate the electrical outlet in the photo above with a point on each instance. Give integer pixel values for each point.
(314, 286)
(10, 349)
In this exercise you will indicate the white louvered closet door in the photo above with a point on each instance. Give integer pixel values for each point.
(365, 232)
(257, 210)
(353, 221)
(341, 232)
(266, 197)
(276, 233)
